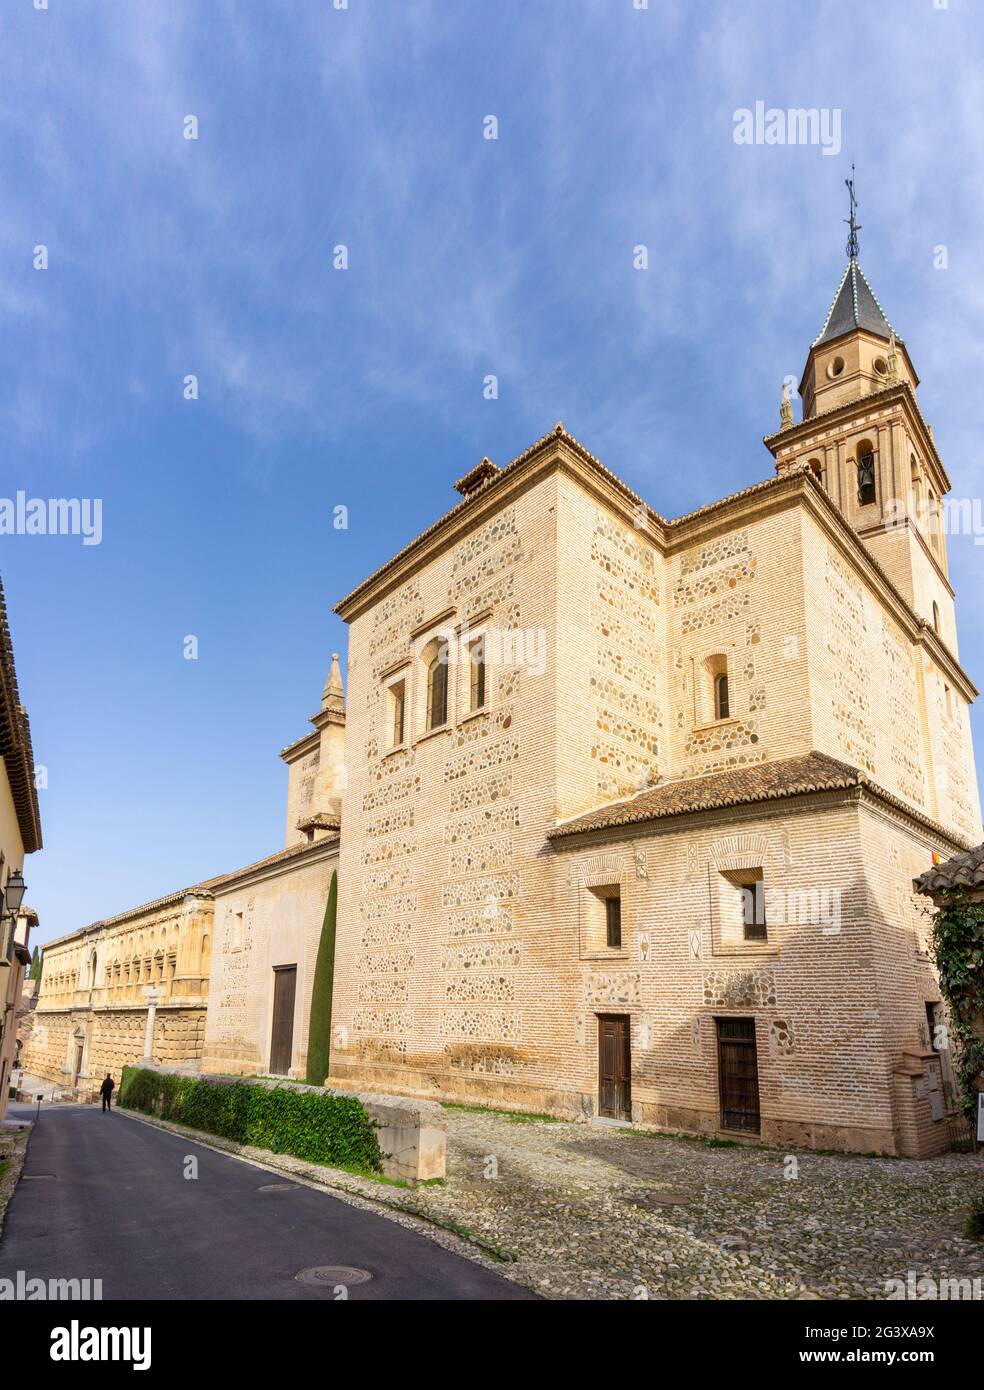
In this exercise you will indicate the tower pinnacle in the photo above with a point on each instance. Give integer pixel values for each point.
(333, 695)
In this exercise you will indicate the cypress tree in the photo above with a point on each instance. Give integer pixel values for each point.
(319, 1028)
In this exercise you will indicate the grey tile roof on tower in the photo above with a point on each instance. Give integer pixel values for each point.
(854, 306)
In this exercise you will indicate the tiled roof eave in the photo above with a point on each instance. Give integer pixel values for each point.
(591, 822)
(15, 742)
(961, 874)
(840, 777)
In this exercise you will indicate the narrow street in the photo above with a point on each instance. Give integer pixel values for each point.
(104, 1196)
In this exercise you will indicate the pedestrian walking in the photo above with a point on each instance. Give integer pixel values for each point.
(106, 1091)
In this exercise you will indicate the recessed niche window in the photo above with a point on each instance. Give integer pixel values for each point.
(916, 481)
(715, 701)
(397, 696)
(866, 477)
(613, 921)
(936, 617)
(753, 907)
(742, 907)
(881, 366)
(437, 686)
(477, 674)
(603, 911)
(835, 368)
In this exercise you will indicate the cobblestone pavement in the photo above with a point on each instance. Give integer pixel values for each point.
(583, 1208)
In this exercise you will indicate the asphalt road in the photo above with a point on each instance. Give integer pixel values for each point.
(104, 1196)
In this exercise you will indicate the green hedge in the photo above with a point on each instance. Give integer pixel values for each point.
(315, 1125)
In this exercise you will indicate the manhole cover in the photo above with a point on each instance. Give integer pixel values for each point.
(333, 1274)
(657, 1199)
(278, 1187)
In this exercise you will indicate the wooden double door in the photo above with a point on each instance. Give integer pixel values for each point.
(614, 1067)
(282, 1035)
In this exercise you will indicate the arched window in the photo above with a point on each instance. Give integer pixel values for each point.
(398, 713)
(476, 666)
(437, 687)
(714, 700)
(866, 473)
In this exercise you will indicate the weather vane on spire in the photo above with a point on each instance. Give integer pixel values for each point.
(852, 221)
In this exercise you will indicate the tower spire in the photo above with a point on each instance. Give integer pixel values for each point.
(852, 221)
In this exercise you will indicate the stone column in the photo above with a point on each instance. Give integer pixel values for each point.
(887, 490)
(153, 999)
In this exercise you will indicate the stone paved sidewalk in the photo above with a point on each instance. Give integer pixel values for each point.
(593, 1211)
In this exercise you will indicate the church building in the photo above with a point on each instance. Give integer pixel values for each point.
(634, 805)
(627, 810)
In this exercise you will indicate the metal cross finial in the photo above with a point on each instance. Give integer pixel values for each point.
(852, 221)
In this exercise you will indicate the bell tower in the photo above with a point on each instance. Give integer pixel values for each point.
(863, 435)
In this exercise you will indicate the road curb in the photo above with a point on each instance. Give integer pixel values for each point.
(16, 1158)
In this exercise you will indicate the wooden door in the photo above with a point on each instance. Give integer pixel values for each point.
(738, 1074)
(614, 1067)
(282, 1039)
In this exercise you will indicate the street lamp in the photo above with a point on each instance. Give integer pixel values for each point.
(13, 894)
(10, 901)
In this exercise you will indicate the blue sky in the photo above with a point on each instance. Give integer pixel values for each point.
(364, 388)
